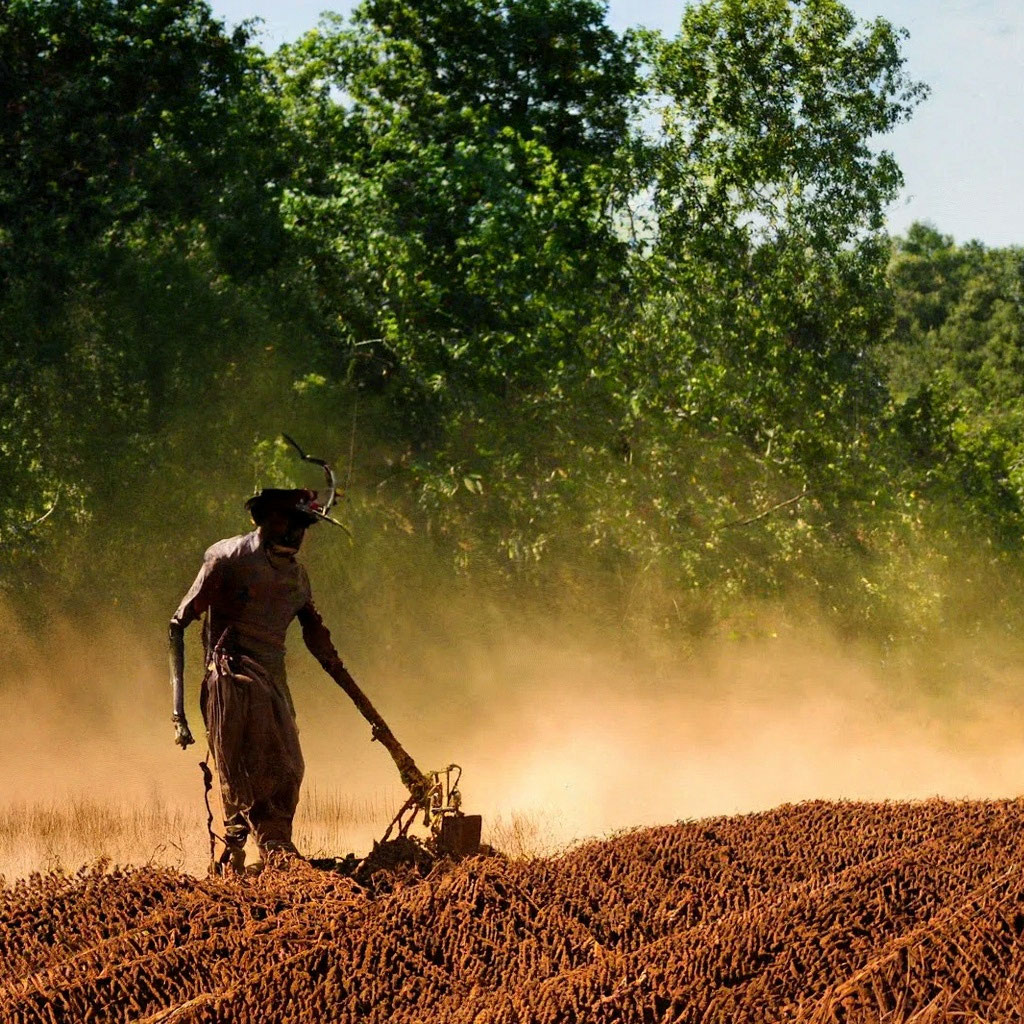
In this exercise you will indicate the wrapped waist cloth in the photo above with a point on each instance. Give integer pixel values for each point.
(250, 721)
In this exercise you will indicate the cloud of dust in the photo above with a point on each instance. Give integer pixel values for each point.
(87, 712)
(555, 723)
(590, 745)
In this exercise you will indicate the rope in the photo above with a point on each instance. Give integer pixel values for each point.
(204, 767)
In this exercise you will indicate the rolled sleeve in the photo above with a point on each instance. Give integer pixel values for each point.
(200, 595)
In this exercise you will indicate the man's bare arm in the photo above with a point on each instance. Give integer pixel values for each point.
(182, 733)
(194, 604)
(318, 639)
(317, 636)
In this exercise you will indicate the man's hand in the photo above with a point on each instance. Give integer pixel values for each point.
(182, 734)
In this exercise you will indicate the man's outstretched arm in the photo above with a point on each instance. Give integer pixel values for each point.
(318, 639)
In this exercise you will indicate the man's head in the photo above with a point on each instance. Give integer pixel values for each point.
(283, 517)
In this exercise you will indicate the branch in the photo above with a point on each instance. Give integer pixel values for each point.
(768, 511)
(46, 515)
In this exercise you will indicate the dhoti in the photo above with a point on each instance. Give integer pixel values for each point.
(250, 721)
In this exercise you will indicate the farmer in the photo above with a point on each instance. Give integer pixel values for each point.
(250, 588)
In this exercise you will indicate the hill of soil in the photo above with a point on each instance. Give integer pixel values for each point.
(817, 912)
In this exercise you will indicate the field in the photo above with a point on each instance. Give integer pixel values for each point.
(61, 834)
(820, 911)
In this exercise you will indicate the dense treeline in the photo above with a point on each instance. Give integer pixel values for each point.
(596, 314)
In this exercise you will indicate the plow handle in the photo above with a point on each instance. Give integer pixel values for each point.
(412, 778)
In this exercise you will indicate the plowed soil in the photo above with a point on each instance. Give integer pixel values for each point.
(816, 912)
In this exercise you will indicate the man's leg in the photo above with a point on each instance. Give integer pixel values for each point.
(236, 833)
(272, 757)
(271, 820)
(217, 697)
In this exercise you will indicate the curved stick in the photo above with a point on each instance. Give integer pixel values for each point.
(46, 515)
(328, 472)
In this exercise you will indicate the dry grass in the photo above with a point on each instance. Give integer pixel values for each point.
(522, 836)
(65, 834)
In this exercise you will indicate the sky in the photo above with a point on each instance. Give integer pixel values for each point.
(962, 154)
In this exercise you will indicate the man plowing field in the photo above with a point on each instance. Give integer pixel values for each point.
(250, 588)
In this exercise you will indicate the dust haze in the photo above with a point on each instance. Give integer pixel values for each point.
(554, 723)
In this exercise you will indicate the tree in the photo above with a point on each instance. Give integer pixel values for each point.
(129, 147)
(115, 113)
(769, 198)
(954, 362)
(771, 109)
(465, 154)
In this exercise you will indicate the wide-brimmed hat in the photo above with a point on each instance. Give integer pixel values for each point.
(298, 503)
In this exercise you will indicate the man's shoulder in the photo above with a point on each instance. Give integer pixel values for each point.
(232, 548)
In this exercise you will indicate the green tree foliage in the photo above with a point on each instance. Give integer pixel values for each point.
(771, 109)
(127, 180)
(115, 113)
(959, 313)
(955, 367)
(764, 288)
(769, 197)
(615, 313)
(459, 179)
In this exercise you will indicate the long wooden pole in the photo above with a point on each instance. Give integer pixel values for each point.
(412, 778)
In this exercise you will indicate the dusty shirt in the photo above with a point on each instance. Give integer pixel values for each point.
(243, 587)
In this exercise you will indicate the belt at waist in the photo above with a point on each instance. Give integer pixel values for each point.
(242, 631)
